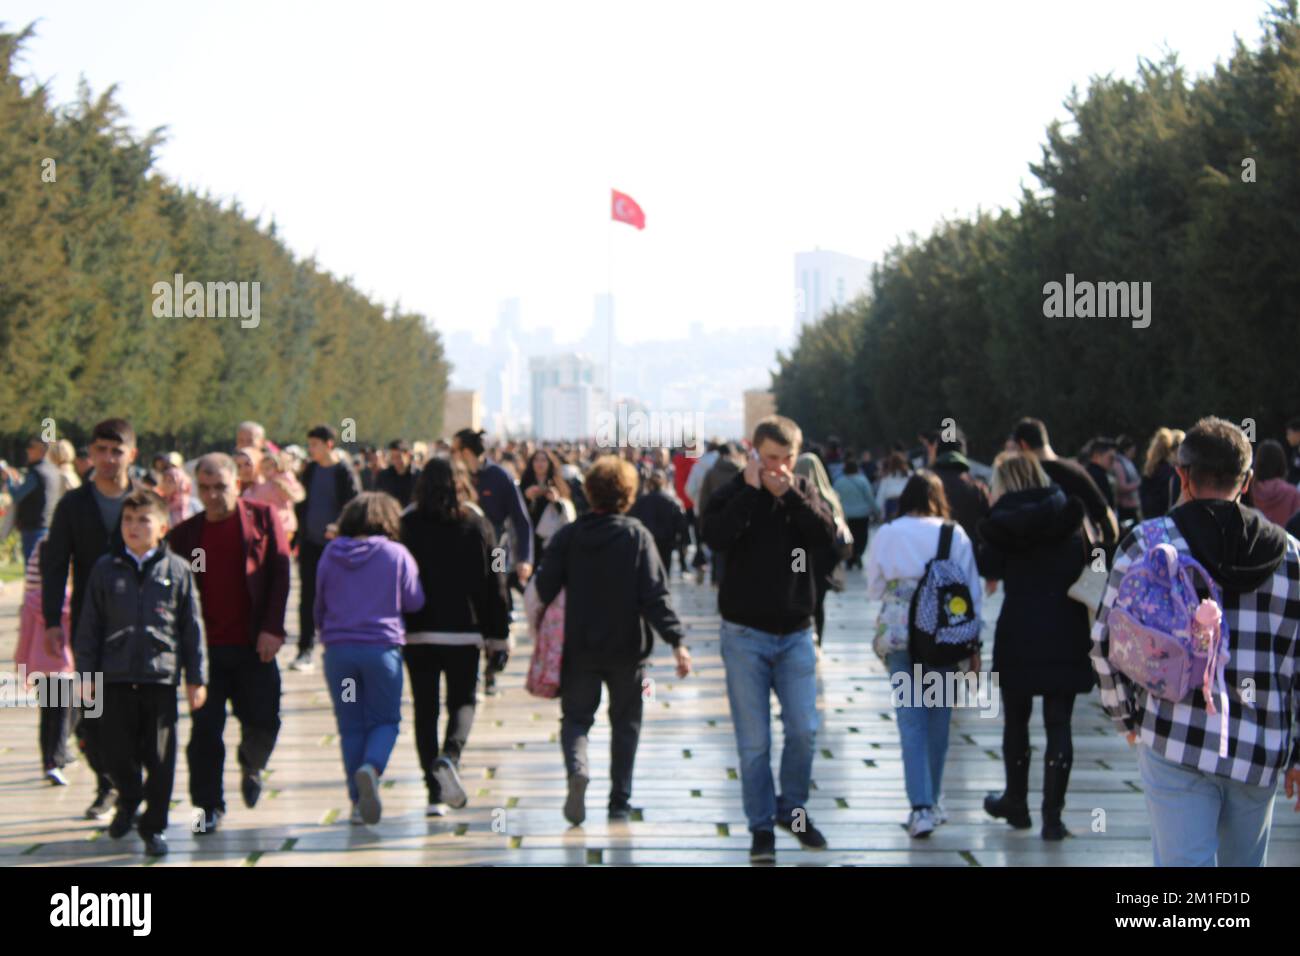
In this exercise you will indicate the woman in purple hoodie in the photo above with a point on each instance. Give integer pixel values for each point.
(365, 583)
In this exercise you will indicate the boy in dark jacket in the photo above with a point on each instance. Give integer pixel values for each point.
(141, 627)
(613, 578)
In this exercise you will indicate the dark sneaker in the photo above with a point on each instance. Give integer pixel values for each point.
(490, 684)
(575, 804)
(622, 811)
(1054, 830)
(155, 845)
(809, 837)
(251, 786)
(121, 825)
(450, 788)
(763, 847)
(368, 803)
(103, 805)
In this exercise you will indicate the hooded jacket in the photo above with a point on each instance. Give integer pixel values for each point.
(1276, 498)
(968, 502)
(141, 624)
(1258, 567)
(1033, 543)
(613, 577)
(363, 587)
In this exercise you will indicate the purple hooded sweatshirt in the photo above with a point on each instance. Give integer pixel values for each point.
(363, 587)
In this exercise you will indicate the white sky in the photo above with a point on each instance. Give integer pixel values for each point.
(453, 154)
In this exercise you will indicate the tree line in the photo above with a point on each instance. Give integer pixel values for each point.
(89, 230)
(1188, 184)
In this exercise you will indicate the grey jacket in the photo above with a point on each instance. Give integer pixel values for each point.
(141, 625)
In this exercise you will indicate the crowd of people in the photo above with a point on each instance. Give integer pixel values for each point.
(413, 564)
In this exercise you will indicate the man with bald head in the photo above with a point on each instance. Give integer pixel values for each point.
(240, 556)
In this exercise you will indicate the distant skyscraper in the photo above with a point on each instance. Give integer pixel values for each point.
(823, 279)
(566, 396)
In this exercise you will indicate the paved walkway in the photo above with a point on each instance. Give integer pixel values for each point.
(686, 781)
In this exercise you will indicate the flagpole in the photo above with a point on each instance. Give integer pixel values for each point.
(609, 310)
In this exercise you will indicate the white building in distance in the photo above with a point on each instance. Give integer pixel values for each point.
(823, 279)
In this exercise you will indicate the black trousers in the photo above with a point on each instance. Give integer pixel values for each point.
(56, 724)
(308, 558)
(89, 734)
(238, 676)
(579, 701)
(138, 733)
(1057, 711)
(427, 664)
(860, 528)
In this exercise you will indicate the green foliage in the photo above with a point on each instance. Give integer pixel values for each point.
(1144, 183)
(78, 260)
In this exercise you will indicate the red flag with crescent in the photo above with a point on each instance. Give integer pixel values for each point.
(625, 209)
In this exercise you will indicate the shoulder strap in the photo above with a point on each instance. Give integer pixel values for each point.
(945, 540)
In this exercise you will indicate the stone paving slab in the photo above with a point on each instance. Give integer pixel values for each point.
(686, 780)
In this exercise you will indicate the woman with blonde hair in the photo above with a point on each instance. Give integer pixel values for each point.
(1160, 486)
(828, 575)
(62, 456)
(1032, 541)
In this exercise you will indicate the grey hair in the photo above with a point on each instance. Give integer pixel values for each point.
(253, 427)
(216, 462)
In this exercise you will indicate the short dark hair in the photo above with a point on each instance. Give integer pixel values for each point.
(1032, 432)
(471, 439)
(779, 429)
(923, 494)
(399, 444)
(371, 513)
(143, 499)
(1215, 454)
(324, 433)
(114, 429)
(850, 466)
(1293, 425)
(1270, 460)
(611, 484)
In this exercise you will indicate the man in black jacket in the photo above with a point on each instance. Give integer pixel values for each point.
(85, 528)
(769, 521)
(968, 501)
(613, 576)
(1030, 435)
(398, 479)
(329, 485)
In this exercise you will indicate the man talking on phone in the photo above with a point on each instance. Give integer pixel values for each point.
(768, 522)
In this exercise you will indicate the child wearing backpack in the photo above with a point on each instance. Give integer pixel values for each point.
(906, 563)
(1195, 647)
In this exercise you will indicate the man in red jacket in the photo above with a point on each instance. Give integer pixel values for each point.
(240, 556)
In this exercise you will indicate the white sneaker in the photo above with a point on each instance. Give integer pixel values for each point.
(920, 823)
(940, 813)
(368, 803)
(437, 810)
(55, 776)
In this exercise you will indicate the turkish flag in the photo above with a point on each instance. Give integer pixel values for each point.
(625, 209)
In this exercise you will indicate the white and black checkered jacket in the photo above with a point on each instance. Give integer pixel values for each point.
(1263, 642)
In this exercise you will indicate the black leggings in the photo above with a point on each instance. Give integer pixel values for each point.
(1057, 710)
(427, 663)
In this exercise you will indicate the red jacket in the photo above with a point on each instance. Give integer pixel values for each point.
(682, 465)
(266, 561)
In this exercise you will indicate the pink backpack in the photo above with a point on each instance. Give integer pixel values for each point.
(546, 626)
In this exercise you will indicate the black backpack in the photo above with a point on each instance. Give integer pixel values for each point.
(942, 625)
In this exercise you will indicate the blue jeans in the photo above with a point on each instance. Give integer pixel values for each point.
(923, 732)
(365, 684)
(1197, 816)
(30, 539)
(758, 663)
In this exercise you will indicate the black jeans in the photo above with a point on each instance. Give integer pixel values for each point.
(55, 726)
(860, 527)
(308, 558)
(1057, 711)
(89, 733)
(237, 675)
(579, 701)
(138, 732)
(427, 664)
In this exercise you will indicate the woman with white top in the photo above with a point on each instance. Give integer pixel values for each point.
(894, 472)
(895, 566)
